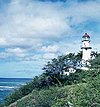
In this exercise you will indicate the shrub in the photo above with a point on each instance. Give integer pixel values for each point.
(63, 102)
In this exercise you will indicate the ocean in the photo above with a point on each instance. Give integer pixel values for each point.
(7, 85)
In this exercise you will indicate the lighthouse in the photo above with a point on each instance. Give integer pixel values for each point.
(86, 50)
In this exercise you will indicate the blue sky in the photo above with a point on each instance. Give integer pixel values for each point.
(34, 31)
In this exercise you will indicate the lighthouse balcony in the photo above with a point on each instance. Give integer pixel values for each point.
(86, 40)
(86, 48)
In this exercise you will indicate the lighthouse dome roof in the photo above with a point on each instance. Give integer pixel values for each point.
(86, 35)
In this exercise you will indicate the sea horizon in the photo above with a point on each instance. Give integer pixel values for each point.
(7, 85)
(16, 77)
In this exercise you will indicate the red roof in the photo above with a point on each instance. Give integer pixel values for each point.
(86, 35)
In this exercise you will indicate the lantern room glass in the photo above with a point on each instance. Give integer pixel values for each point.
(86, 39)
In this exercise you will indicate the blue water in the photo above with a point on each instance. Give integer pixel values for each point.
(7, 85)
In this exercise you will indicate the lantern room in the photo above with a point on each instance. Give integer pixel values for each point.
(86, 37)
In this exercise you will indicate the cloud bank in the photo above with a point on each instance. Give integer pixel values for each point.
(30, 30)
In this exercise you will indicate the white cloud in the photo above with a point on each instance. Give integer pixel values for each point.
(49, 56)
(49, 52)
(16, 51)
(50, 48)
(34, 20)
(3, 41)
(25, 21)
(13, 54)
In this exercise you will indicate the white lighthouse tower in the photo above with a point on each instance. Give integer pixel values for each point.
(86, 50)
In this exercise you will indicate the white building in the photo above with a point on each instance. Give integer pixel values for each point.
(69, 69)
(86, 51)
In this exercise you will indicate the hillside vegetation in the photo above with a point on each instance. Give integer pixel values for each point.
(52, 89)
(79, 95)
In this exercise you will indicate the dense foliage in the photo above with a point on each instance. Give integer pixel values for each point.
(44, 81)
(57, 65)
(96, 61)
(79, 95)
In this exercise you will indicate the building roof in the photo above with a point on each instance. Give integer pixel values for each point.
(69, 66)
(86, 35)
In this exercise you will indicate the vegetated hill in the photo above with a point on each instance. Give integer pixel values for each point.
(77, 95)
(83, 94)
(51, 89)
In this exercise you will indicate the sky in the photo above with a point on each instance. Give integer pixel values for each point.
(32, 32)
